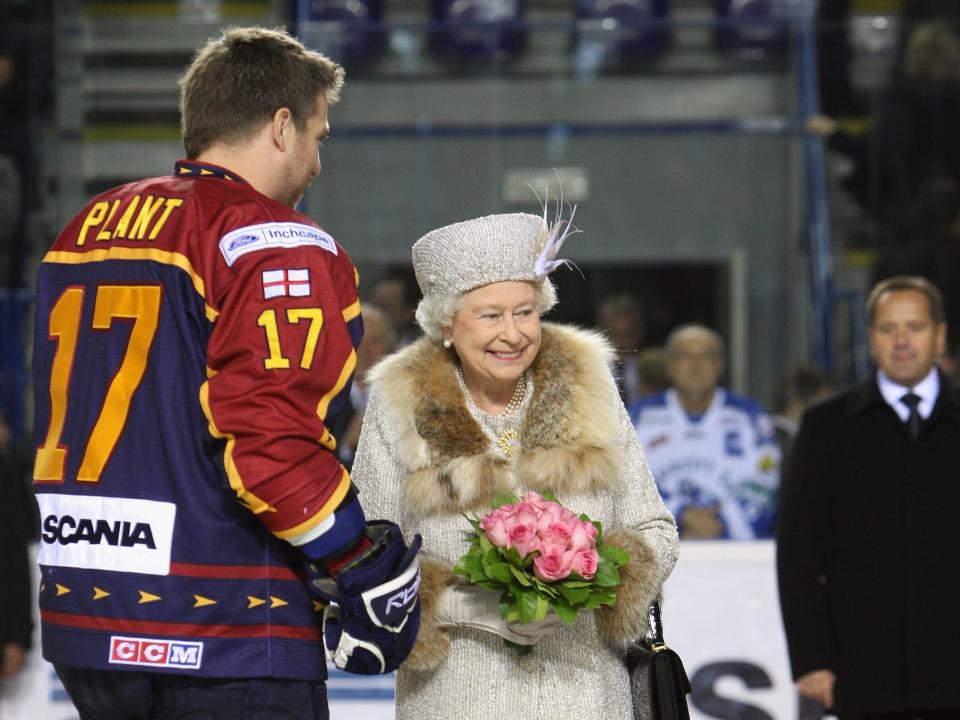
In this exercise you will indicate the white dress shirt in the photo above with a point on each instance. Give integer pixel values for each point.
(927, 389)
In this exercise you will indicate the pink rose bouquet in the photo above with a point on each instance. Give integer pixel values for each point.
(541, 556)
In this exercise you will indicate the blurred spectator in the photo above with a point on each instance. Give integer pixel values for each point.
(913, 140)
(837, 95)
(713, 454)
(929, 245)
(396, 296)
(620, 318)
(16, 623)
(949, 360)
(378, 341)
(796, 390)
(652, 372)
(866, 548)
(14, 148)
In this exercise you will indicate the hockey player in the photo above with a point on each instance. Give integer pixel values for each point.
(195, 340)
(713, 454)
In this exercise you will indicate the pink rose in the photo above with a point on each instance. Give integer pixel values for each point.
(557, 534)
(552, 565)
(494, 528)
(524, 539)
(527, 514)
(552, 513)
(580, 538)
(585, 563)
(533, 498)
(590, 528)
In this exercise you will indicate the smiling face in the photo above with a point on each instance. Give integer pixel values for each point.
(302, 161)
(496, 334)
(905, 342)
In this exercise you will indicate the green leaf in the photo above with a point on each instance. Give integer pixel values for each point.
(489, 585)
(485, 544)
(461, 567)
(575, 596)
(520, 577)
(575, 583)
(550, 496)
(591, 603)
(607, 575)
(605, 599)
(613, 554)
(499, 571)
(543, 588)
(512, 556)
(565, 612)
(542, 606)
(507, 604)
(505, 499)
(528, 606)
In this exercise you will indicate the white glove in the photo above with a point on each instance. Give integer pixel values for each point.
(472, 606)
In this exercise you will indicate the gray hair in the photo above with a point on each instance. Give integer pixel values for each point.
(674, 336)
(435, 311)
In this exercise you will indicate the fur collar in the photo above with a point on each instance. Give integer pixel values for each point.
(568, 441)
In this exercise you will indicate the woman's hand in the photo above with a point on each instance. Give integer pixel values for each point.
(472, 606)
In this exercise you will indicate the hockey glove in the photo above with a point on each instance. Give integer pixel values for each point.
(371, 622)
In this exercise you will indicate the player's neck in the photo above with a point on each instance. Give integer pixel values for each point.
(695, 404)
(245, 161)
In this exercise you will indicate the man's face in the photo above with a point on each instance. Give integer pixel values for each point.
(622, 328)
(695, 364)
(374, 346)
(303, 161)
(905, 342)
(390, 296)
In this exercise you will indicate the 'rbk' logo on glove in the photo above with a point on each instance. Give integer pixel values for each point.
(388, 609)
(402, 598)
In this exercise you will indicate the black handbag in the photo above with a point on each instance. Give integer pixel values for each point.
(658, 682)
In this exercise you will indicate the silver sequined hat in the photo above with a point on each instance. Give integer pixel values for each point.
(518, 246)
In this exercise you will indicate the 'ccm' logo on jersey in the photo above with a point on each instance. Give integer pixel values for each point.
(155, 653)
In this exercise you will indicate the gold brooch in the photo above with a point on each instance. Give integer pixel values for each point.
(506, 442)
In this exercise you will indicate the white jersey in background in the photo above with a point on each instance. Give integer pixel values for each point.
(726, 457)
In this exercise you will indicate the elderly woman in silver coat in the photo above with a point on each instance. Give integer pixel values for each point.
(492, 401)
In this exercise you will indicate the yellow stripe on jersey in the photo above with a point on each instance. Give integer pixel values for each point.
(328, 441)
(250, 501)
(349, 313)
(166, 257)
(332, 503)
(345, 374)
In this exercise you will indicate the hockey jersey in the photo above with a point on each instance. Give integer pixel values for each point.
(727, 457)
(194, 341)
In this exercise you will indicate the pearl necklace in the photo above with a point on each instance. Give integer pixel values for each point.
(515, 400)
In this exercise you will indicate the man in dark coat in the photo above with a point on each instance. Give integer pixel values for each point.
(867, 555)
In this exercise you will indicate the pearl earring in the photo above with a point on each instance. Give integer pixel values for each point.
(447, 342)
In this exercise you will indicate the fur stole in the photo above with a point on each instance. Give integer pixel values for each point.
(568, 441)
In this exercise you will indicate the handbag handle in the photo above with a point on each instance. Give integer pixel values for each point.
(654, 635)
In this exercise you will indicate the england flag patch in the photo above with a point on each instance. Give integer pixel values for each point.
(292, 283)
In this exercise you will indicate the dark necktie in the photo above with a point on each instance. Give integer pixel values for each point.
(912, 400)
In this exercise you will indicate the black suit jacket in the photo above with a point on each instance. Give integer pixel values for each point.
(868, 555)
